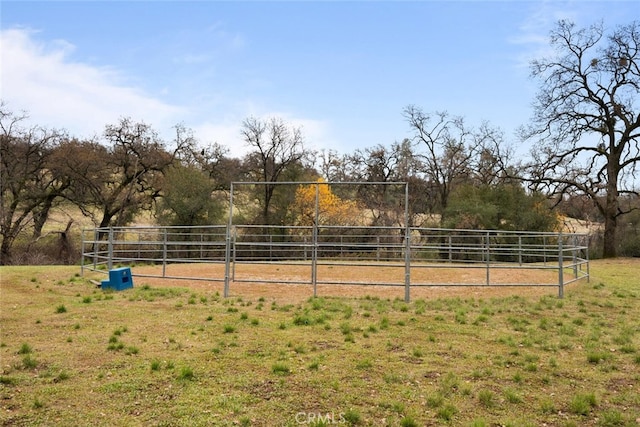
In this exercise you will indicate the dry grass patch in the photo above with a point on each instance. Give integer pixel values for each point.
(175, 354)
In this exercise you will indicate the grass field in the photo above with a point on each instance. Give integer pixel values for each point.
(173, 355)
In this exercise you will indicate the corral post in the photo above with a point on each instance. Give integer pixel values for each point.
(314, 252)
(110, 250)
(520, 250)
(164, 251)
(227, 249)
(407, 246)
(488, 260)
(202, 254)
(560, 267)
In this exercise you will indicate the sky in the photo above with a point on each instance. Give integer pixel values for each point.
(342, 71)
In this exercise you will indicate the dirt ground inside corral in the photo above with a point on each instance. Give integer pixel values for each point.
(270, 281)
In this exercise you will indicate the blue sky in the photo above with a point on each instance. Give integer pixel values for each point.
(343, 71)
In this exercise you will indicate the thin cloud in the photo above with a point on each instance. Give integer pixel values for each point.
(533, 32)
(42, 79)
(58, 92)
(193, 58)
(227, 39)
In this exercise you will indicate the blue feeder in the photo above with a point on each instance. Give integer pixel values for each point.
(119, 279)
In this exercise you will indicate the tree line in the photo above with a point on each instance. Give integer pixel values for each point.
(582, 162)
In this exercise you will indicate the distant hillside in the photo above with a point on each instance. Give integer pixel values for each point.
(572, 225)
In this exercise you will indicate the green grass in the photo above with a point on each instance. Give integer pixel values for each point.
(157, 355)
(186, 374)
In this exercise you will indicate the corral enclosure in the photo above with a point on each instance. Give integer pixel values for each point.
(365, 251)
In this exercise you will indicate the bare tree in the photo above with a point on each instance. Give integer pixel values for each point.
(28, 185)
(447, 147)
(586, 123)
(493, 156)
(277, 146)
(116, 179)
(333, 166)
(379, 166)
(376, 166)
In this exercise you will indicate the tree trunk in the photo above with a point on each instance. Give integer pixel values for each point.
(66, 249)
(610, 244)
(5, 250)
(41, 215)
(609, 249)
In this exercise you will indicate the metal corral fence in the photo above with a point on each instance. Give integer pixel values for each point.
(334, 255)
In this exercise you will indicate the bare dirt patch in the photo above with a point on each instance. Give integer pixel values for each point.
(292, 283)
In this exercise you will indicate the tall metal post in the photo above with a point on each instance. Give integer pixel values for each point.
(227, 250)
(314, 250)
(520, 250)
(110, 250)
(407, 246)
(560, 267)
(488, 242)
(164, 251)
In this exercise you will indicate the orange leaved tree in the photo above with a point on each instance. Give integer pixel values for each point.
(331, 209)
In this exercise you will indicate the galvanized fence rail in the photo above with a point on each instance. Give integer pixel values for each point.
(104, 248)
(318, 254)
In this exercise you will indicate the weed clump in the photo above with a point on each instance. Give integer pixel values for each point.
(25, 349)
(581, 404)
(280, 369)
(186, 374)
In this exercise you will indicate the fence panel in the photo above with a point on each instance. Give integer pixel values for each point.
(344, 255)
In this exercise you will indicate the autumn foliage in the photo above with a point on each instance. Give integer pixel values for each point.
(331, 209)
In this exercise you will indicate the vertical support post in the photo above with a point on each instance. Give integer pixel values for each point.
(227, 249)
(520, 250)
(314, 251)
(407, 246)
(110, 250)
(560, 267)
(488, 260)
(202, 254)
(164, 251)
